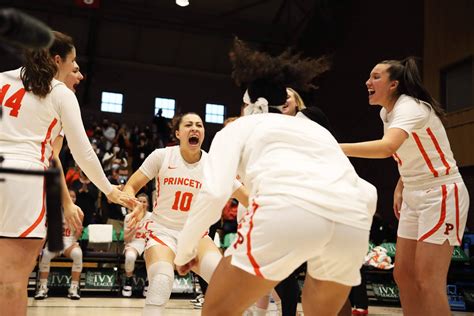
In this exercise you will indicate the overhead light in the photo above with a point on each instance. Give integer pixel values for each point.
(182, 3)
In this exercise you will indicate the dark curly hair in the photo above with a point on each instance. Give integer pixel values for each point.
(284, 70)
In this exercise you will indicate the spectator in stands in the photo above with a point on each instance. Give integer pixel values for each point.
(114, 158)
(112, 213)
(73, 174)
(140, 151)
(161, 124)
(71, 250)
(87, 195)
(109, 132)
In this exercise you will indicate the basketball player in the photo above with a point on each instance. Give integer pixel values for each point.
(36, 105)
(71, 250)
(178, 172)
(306, 197)
(430, 199)
(134, 244)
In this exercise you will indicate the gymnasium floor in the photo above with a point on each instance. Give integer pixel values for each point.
(57, 306)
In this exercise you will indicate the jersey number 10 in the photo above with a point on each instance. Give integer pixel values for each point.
(183, 201)
(14, 101)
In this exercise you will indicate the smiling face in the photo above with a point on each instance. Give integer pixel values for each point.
(291, 105)
(382, 91)
(65, 66)
(74, 78)
(190, 132)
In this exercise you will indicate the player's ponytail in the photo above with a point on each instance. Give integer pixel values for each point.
(407, 74)
(39, 68)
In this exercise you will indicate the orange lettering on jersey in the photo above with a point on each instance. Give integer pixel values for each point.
(13, 102)
(3, 92)
(182, 181)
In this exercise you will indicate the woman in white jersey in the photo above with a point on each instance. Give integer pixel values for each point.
(303, 211)
(71, 250)
(134, 239)
(72, 217)
(178, 172)
(430, 199)
(36, 105)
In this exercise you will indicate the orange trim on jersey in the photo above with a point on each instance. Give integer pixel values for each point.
(397, 158)
(48, 136)
(424, 154)
(441, 218)
(438, 149)
(40, 217)
(254, 263)
(157, 191)
(456, 200)
(157, 239)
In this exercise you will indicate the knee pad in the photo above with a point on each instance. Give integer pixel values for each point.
(160, 279)
(76, 256)
(130, 258)
(46, 260)
(208, 264)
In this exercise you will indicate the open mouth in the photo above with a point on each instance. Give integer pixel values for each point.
(371, 92)
(193, 140)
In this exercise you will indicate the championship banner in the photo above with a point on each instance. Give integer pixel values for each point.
(91, 4)
(102, 279)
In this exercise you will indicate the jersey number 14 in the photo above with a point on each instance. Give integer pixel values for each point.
(14, 101)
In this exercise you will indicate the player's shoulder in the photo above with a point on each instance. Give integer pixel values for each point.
(59, 91)
(12, 74)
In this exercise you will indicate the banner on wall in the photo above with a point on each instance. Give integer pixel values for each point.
(102, 279)
(59, 278)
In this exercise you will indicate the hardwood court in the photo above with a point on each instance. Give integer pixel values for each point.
(58, 306)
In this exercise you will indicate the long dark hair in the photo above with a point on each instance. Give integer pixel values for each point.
(39, 68)
(284, 70)
(407, 74)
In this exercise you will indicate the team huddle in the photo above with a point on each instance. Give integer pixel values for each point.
(281, 164)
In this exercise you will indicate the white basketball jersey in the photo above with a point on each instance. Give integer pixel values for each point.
(425, 157)
(177, 184)
(140, 234)
(29, 123)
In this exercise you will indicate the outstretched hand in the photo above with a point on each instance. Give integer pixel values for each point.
(136, 215)
(73, 216)
(184, 269)
(122, 198)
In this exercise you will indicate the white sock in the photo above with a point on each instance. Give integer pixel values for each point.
(75, 283)
(44, 282)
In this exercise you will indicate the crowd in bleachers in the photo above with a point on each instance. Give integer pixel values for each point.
(121, 150)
